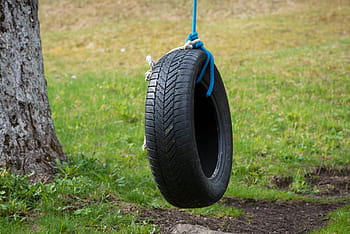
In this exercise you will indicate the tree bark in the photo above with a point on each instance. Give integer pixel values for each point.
(28, 142)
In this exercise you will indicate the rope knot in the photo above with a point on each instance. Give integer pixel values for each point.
(192, 42)
(196, 43)
(193, 37)
(151, 63)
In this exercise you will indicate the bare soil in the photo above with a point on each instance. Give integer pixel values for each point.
(261, 216)
(328, 183)
(331, 183)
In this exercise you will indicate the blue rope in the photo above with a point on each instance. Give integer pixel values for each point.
(194, 16)
(200, 45)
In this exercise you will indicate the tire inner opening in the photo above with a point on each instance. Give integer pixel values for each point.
(206, 130)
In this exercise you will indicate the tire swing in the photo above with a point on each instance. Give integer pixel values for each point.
(188, 125)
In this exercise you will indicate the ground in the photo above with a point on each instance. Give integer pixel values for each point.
(259, 217)
(264, 216)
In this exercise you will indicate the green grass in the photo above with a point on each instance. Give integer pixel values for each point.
(86, 197)
(286, 75)
(340, 220)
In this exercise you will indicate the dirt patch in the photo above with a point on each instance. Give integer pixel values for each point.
(282, 182)
(259, 217)
(325, 182)
(331, 183)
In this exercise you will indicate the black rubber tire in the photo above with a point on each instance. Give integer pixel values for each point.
(188, 135)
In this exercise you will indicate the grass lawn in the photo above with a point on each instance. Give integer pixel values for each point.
(286, 68)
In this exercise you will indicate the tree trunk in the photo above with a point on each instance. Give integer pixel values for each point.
(28, 142)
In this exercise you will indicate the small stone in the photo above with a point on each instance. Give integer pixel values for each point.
(193, 229)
